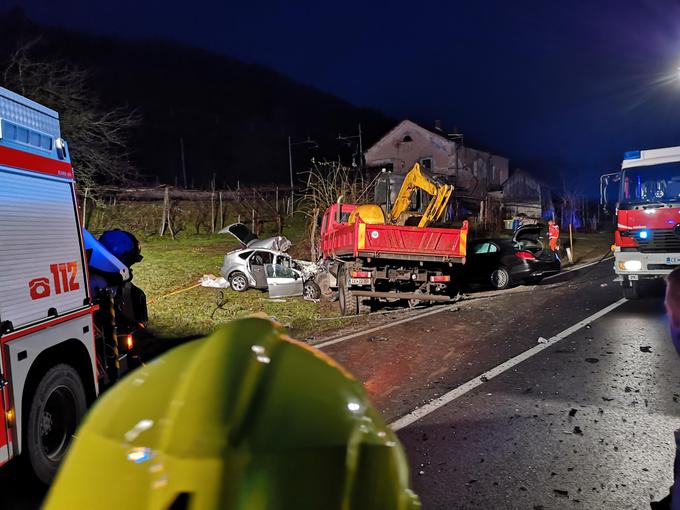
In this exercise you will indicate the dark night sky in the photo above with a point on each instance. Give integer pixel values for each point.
(560, 88)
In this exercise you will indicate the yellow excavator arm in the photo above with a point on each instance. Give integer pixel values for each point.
(440, 195)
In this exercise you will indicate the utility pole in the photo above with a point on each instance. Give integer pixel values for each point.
(184, 168)
(290, 163)
(349, 138)
(308, 141)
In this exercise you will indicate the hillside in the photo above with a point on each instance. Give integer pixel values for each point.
(234, 118)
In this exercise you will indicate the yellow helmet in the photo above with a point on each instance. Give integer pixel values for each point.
(246, 418)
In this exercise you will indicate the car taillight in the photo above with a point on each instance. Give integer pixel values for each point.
(526, 255)
(129, 342)
(361, 274)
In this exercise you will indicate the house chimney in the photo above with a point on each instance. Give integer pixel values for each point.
(438, 125)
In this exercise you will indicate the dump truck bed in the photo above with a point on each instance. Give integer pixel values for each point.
(396, 242)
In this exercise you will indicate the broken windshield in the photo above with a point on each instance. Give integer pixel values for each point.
(648, 185)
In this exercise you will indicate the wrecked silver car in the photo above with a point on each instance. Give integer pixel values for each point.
(262, 264)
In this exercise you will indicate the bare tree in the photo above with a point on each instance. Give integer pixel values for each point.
(326, 182)
(98, 137)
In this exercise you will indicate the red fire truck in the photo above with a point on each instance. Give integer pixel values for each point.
(60, 340)
(647, 236)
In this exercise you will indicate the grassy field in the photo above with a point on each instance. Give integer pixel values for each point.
(587, 246)
(169, 266)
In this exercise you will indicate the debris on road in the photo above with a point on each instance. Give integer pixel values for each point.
(542, 340)
(377, 338)
(645, 348)
(578, 431)
(572, 412)
(214, 282)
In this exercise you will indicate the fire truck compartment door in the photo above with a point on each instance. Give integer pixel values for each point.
(41, 259)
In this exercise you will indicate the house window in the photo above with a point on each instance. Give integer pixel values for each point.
(426, 163)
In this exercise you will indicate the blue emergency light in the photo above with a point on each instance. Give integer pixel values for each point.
(632, 155)
(643, 234)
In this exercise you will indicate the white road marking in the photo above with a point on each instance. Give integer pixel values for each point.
(439, 309)
(461, 390)
(332, 341)
(576, 268)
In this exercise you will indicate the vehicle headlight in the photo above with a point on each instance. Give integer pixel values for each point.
(630, 265)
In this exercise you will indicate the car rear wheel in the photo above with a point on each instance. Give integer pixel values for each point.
(500, 278)
(238, 282)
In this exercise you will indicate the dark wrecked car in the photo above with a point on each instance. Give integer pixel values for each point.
(503, 262)
(263, 264)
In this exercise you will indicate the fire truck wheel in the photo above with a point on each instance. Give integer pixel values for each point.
(57, 407)
(238, 281)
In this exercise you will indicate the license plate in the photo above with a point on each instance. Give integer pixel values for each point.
(633, 277)
(672, 260)
(359, 281)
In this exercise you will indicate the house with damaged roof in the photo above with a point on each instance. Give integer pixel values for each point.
(478, 175)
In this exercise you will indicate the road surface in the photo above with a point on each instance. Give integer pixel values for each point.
(584, 420)
(492, 418)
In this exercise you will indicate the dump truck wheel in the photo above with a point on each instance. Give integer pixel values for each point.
(57, 408)
(347, 299)
(238, 281)
(349, 303)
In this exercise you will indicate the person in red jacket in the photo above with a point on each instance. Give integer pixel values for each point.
(553, 234)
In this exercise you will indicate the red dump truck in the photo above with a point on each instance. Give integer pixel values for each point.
(369, 262)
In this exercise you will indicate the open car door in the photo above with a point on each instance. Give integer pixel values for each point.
(282, 279)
